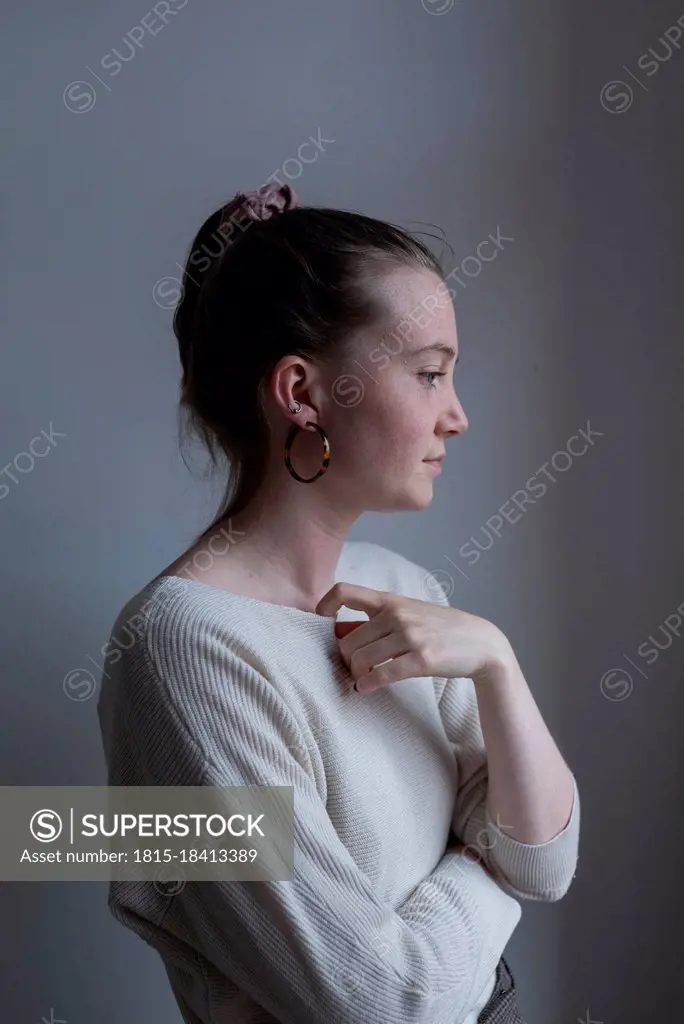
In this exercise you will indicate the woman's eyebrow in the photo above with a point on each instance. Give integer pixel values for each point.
(438, 346)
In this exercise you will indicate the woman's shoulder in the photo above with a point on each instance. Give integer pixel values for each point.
(175, 648)
(169, 607)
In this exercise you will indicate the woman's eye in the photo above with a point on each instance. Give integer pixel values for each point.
(431, 373)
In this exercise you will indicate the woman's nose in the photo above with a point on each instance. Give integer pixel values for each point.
(455, 419)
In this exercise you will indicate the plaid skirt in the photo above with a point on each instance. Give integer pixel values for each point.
(502, 1006)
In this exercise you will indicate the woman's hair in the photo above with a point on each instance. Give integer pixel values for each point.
(296, 283)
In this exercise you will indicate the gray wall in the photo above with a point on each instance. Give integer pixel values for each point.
(486, 117)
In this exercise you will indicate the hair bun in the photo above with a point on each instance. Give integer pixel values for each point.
(261, 203)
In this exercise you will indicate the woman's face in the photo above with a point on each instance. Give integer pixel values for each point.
(391, 402)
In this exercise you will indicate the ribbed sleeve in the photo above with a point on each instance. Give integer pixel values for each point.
(324, 948)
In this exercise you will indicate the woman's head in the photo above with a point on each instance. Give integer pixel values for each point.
(325, 308)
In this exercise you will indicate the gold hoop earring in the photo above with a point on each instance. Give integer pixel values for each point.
(294, 429)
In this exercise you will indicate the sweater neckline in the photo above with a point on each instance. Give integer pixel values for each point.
(257, 603)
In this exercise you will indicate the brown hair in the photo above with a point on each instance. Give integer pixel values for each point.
(296, 283)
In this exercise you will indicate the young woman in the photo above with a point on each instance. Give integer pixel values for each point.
(429, 795)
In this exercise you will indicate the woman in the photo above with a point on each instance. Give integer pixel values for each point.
(280, 653)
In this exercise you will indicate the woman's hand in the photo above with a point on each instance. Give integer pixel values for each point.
(405, 637)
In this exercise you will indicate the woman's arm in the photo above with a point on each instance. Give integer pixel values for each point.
(494, 746)
(518, 806)
(530, 786)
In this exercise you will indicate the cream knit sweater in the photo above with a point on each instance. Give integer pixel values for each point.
(379, 924)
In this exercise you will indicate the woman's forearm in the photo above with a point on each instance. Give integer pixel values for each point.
(530, 790)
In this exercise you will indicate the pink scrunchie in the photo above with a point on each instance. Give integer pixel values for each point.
(261, 203)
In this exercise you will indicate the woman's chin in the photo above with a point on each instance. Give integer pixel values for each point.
(417, 498)
(409, 498)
